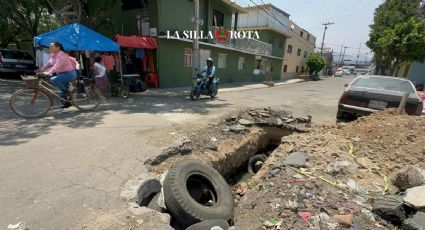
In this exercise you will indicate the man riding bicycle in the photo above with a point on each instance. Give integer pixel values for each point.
(63, 66)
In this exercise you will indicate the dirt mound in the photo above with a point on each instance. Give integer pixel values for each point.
(349, 164)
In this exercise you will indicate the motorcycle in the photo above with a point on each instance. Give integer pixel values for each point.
(200, 87)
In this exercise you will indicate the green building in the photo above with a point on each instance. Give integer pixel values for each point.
(236, 60)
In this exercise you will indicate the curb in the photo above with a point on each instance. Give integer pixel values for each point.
(223, 90)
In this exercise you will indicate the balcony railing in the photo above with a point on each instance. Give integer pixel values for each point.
(245, 44)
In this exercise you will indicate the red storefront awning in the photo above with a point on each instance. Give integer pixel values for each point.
(137, 41)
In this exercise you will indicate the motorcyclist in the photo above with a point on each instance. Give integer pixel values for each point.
(210, 71)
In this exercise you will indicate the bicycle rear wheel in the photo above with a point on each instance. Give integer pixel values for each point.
(30, 103)
(87, 100)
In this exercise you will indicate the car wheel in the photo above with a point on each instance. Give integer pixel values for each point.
(194, 192)
(340, 114)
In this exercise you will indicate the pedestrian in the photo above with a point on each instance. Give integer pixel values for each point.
(101, 79)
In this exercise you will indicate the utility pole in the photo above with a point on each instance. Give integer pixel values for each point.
(324, 34)
(358, 53)
(339, 54)
(343, 56)
(195, 50)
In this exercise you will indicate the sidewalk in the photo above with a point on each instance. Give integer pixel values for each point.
(229, 87)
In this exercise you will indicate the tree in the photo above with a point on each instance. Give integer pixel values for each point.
(387, 16)
(404, 42)
(25, 14)
(315, 63)
(9, 32)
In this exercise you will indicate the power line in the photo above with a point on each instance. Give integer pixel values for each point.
(322, 10)
(346, 17)
(341, 12)
(285, 26)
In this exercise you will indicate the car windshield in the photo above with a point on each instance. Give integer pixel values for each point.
(384, 83)
(11, 54)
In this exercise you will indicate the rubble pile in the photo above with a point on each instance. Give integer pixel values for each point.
(222, 132)
(367, 174)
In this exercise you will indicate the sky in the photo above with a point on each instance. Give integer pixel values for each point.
(351, 17)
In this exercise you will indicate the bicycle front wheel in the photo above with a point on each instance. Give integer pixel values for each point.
(30, 103)
(87, 100)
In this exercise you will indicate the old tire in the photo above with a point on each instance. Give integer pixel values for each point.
(194, 192)
(208, 224)
(253, 160)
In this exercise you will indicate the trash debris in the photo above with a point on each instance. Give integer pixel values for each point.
(305, 216)
(272, 223)
(14, 226)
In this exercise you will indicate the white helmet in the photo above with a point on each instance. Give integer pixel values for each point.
(210, 59)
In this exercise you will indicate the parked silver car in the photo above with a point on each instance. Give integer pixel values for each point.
(16, 61)
(370, 93)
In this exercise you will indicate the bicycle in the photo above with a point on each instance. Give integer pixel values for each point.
(37, 98)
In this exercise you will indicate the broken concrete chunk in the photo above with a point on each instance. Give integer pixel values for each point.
(264, 114)
(153, 204)
(245, 122)
(342, 167)
(213, 146)
(141, 188)
(185, 149)
(364, 162)
(415, 197)
(390, 208)
(237, 128)
(408, 177)
(304, 119)
(231, 118)
(344, 219)
(417, 222)
(148, 214)
(297, 159)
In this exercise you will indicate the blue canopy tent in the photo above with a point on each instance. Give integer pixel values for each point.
(76, 37)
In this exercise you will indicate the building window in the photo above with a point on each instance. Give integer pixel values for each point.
(299, 52)
(258, 64)
(285, 68)
(305, 54)
(289, 49)
(301, 34)
(218, 18)
(222, 61)
(271, 40)
(296, 69)
(281, 44)
(308, 37)
(187, 57)
(302, 69)
(271, 66)
(242, 63)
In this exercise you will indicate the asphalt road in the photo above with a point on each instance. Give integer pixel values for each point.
(58, 169)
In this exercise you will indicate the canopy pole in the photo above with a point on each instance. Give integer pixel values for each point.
(122, 79)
